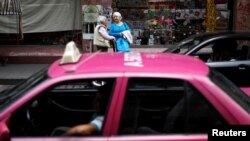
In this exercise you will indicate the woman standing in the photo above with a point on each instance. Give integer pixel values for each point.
(121, 31)
(101, 37)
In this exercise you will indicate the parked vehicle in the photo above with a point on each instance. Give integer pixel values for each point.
(149, 96)
(201, 46)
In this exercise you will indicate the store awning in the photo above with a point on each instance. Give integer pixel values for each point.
(10, 7)
(38, 16)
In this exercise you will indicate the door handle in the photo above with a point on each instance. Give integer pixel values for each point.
(242, 67)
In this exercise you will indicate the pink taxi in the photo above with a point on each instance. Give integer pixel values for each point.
(148, 97)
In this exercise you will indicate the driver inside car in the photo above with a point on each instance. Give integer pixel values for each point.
(223, 50)
(95, 125)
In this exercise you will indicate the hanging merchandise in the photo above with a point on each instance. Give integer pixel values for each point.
(165, 20)
(211, 16)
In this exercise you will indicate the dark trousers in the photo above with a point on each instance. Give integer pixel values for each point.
(102, 49)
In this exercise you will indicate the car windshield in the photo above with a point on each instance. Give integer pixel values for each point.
(9, 95)
(184, 45)
(233, 91)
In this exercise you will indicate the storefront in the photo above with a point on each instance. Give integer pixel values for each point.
(153, 22)
(157, 23)
(160, 22)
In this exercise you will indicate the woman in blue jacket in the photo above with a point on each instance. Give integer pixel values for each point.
(116, 29)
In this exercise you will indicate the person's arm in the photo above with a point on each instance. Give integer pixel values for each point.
(104, 34)
(111, 31)
(86, 129)
(83, 129)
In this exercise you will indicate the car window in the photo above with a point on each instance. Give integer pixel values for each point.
(62, 106)
(229, 57)
(163, 106)
(243, 49)
(184, 45)
(224, 50)
(9, 96)
(187, 45)
(204, 53)
(234, 92)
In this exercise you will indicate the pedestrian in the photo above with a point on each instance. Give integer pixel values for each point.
(223, 50)
(101, 37)
(121, 31)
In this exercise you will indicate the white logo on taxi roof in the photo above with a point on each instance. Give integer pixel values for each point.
(133, 59)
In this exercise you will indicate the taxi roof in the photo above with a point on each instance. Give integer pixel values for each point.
(130, 62)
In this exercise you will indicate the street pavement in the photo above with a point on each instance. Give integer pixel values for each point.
(11, 74)
(19, 71)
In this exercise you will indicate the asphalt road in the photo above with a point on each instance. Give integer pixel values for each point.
(11, 74)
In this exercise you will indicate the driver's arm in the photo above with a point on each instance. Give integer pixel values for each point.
(83, 129)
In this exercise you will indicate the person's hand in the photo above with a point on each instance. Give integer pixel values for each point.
(121, 34)
(83, 129)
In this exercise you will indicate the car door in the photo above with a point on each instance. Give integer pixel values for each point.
(62, 105)
(162, 109)
(237, 71)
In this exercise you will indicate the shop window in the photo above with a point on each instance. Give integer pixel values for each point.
(157, 22)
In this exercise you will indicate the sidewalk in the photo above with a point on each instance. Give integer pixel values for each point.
(47, 55)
